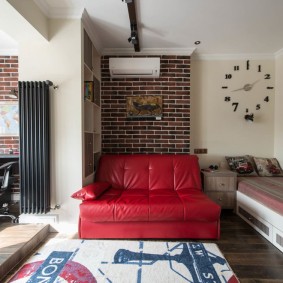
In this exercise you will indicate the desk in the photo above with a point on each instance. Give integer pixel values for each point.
(4, 158)
(9, 156)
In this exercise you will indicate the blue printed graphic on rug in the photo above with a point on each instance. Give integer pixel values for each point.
(51, 267)
(193, 256)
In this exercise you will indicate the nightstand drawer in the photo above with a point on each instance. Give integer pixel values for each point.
(224, 199)
(219, 183)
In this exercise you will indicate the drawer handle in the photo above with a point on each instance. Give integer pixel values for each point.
(222, 184)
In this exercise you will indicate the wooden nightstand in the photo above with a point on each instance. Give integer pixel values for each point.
(221, 186)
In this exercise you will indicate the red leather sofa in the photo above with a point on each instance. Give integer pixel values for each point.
(147, 196)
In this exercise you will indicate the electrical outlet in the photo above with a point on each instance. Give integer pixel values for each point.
(200, 151)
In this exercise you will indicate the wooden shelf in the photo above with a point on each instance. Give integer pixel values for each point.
(91, 111)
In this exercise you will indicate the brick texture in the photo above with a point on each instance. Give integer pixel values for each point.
(8, 81)
(171, 134)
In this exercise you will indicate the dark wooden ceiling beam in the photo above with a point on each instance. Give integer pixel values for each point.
(133, 22)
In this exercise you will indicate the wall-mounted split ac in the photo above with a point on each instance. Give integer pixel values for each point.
(134, 67)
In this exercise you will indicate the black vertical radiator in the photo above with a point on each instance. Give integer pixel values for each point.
(34, 147)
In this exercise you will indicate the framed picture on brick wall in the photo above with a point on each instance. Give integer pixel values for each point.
(144, 107)
(9, 119)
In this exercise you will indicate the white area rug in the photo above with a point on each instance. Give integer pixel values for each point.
(91, 261)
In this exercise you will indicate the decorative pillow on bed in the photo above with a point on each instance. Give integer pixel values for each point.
(268, 167)
(91, 191)
(243, 165)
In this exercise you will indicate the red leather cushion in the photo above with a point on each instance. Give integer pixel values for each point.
(165, 208)
(198, 207)
(98, 210)
(111, 169)
(187, 172)
(135, 192)
(113, 192)
(161, 172)
(158, 205)
(131, 208)
(152, 171)
(91, 191)
(136, 172)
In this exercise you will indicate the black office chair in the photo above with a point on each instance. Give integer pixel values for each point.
(5, 191)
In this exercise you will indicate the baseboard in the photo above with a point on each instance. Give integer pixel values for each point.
(39, 218)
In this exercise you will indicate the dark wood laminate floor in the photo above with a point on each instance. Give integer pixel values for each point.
(251, 256)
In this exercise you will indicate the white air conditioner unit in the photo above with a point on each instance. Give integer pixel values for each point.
(134, 67)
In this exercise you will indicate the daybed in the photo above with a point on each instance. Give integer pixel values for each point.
(260, 195)
(260, 203)
(147, 196)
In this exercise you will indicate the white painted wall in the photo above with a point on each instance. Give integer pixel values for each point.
(59, 60)
(278, 121)
(8, 46)
(214, 124)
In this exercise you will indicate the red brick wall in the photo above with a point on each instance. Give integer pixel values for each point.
(171, 134)
(8, 81)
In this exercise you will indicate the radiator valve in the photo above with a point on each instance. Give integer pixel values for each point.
(57, 206)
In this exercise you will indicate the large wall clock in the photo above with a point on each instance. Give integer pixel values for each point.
(247, 87)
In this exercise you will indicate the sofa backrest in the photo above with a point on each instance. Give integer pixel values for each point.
(150, 171)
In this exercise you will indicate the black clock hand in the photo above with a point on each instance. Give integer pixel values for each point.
(246, 87)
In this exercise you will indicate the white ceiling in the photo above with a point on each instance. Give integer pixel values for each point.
(227, 27)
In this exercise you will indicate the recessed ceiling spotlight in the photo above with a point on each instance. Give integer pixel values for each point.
(197, 42)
